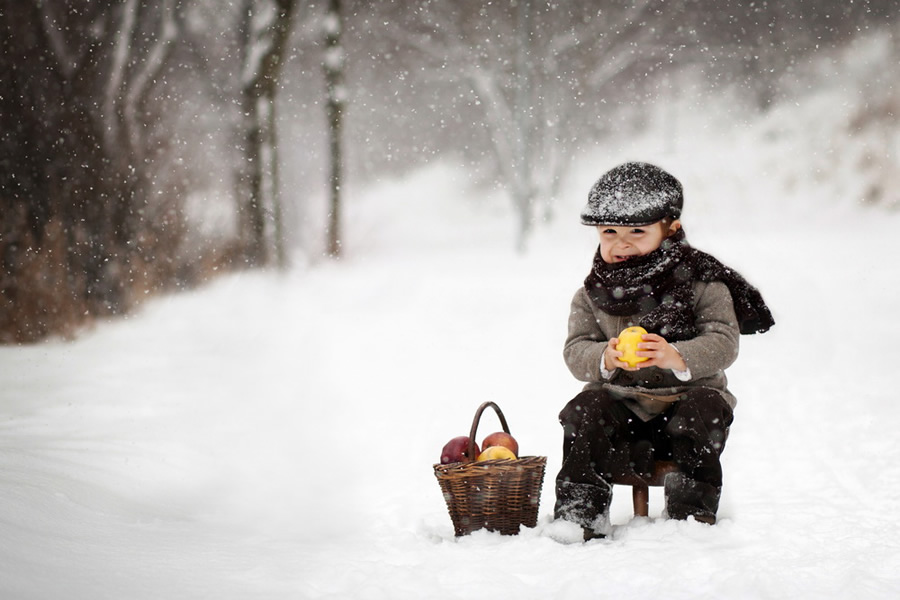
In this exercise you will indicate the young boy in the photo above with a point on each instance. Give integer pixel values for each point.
(675, 405)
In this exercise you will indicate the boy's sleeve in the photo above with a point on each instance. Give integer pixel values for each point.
(716, 346)
(586, 342)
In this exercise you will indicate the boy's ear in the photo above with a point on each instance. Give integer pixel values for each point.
(674, 226)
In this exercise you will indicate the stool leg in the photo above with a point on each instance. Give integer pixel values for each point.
(640, 495)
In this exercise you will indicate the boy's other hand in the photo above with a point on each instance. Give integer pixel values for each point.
(659, 353)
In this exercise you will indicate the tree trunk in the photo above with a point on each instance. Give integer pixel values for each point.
(257, 178)
(334, 108)
(273, 64)
(277, 206)
(523, 120)
(254, 208)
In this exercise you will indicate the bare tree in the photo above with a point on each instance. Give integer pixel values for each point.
(529, 71)
(75, 237)
(265, 27)
(91, 202)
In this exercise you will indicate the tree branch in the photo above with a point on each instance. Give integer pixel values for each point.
(56, 42)
(148, 73)
(116, 81)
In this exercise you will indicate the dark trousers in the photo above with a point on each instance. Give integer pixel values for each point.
(604, 441)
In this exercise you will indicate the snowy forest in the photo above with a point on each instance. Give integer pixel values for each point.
(147, 146)
(261, 259)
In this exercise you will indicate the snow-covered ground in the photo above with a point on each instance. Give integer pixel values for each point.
(272, 435)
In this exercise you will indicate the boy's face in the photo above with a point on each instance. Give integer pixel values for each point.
(618, 244)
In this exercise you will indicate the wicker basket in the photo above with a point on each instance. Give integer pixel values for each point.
(499, 495)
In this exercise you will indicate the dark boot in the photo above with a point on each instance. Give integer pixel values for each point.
(584, 504)
(687, 497)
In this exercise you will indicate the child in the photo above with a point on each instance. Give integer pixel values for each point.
(676, 405)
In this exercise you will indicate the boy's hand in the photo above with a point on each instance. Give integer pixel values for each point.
(658, 351)
(611, 356)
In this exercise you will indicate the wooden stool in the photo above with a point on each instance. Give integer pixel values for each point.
(640, 492)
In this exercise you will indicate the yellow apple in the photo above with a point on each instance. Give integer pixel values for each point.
(495, 452)
(628, 345)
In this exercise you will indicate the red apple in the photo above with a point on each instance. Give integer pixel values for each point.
(501, 438)
(457, 450)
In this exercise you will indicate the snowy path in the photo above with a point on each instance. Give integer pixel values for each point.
(272, 436)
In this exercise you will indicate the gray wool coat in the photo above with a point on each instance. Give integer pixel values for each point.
(648, 392)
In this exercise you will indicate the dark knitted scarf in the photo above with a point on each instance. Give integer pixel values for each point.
(659, 284)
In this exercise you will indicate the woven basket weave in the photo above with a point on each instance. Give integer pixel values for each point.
(498, 495)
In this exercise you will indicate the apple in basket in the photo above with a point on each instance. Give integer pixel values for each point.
(457, 450)
(501, 438)
(496, 452)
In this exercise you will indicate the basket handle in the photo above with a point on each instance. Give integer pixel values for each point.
(477, 418)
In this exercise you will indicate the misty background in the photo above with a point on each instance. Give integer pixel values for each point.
(149, 146)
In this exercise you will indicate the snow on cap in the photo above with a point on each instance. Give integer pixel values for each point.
(634, 193)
